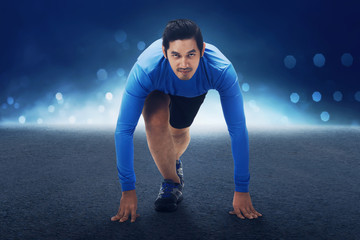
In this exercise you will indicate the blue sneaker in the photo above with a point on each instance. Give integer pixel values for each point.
(179, 171)
(169, 196)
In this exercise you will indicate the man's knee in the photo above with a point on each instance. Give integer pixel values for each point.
(179, 133)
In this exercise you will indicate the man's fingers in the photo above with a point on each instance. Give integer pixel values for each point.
(247, 213)
(115, 218)
(125, 217)
(134, 215)
(256, 212)
(118, 216)
(251, 212)
(237, 213)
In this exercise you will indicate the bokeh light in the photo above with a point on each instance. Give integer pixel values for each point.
(325, 116)
(22, 119)
(316, 96)
(40, 121)
(338, 96)
(51, 109)
(10, 100)
(294, 97)
(109, 96)
(290, 61)
(16, 105)
(319, 60)
(245, 87)
(357, 96)
(120, 36)
(347, 60)
(120, 72)
(59, 96)
(141, 45)
(102, 74)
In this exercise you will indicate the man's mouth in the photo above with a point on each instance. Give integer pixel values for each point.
(184, 70)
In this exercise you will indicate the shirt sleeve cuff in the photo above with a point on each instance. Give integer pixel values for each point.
(242, 188)
(127, 186)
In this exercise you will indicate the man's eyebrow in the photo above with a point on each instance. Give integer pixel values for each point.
(191, 51)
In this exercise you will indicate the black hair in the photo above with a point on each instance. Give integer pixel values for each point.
(181, 29)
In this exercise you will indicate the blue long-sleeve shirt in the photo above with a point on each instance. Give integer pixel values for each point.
(152, 71)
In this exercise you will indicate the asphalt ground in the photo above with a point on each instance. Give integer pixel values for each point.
(61, 183)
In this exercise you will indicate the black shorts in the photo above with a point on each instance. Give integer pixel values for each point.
(183, 110)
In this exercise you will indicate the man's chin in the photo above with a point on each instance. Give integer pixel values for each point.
(184, 78)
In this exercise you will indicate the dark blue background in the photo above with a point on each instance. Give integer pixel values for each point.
(52, 46)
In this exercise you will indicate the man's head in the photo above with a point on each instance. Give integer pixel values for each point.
(183, 46)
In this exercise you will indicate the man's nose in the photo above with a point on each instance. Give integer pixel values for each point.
(183, 62)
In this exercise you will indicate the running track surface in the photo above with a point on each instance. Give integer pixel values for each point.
(61, 183)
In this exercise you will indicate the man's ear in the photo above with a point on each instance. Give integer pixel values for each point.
(163, 50)
(203, 50)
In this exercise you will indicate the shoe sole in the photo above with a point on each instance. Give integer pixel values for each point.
(169, 207)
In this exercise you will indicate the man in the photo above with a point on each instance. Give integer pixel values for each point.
(167, 84)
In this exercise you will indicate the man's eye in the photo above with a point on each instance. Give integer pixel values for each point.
(192, 54)
(175, 55)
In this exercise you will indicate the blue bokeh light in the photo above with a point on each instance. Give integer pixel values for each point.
(294, 97)
(357, 96)
(319, 60)
(109, 96)
(120, 36)
(141, 45)
(325, 116)
(347, 60)
(290, 61)
(16, 105)
(59, 96)
(338, 96)
(4, 106)
(51, 109)
(316, 96)
(102, 74)
(245, 87)
(120, 72)
(10, 100)
(22, 119)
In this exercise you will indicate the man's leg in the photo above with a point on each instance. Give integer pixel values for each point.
(166, 144)
(181, 139)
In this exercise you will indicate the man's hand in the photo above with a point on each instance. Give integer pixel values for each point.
(243, 206)
(128, 206)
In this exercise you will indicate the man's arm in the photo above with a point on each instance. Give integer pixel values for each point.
(233, 110)
(131, 107)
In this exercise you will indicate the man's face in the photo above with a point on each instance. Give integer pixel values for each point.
(184, 57)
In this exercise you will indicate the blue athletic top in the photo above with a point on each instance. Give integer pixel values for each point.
(152, 71)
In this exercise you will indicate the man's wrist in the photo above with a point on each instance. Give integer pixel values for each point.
(130, 192)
